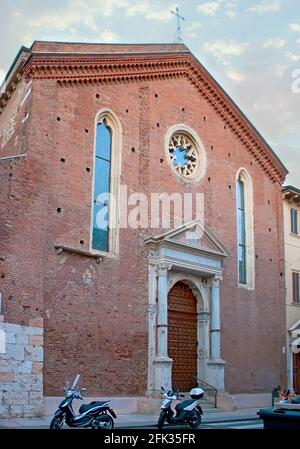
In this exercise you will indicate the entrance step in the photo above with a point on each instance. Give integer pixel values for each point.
(122, 405)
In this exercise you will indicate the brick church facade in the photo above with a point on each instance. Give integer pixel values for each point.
(150, 304)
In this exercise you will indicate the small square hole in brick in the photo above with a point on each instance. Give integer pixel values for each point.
(86, 130)
(133, 149)
(127, 110)
(156, 95)
(62, 159)
(158, 125)
(209, 179)
(88, 169)
(97, 95)
(81, 242)
(58, 119)
(183, 109)
(58, 210)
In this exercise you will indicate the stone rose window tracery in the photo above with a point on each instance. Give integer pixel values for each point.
(184, 155)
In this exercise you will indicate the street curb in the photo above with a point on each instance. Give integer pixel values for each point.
(149, 424)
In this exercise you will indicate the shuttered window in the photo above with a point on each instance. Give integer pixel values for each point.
(294, 221)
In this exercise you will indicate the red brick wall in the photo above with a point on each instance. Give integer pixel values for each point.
(96, 314)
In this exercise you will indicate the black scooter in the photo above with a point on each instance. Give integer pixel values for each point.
(186, 412)
(96, 415)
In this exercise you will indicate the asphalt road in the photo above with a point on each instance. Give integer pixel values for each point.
(238, 424)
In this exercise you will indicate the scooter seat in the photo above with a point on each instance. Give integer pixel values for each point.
(184, 404)
(86, 407)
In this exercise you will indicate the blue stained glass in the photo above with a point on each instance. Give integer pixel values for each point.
(103, 141)
(100, 240)
(241, 228)
(180, 156)
(102, 177)
(241, 195)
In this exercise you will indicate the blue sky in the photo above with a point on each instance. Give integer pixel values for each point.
(251, 47)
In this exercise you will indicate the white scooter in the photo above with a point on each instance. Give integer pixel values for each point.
(186, 412)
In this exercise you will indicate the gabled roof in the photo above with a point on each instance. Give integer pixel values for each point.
(191, 236)
(72, 63)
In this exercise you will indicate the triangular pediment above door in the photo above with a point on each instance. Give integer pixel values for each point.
(193, 235)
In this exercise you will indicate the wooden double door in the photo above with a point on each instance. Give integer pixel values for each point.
(182, 335)
(296, 372)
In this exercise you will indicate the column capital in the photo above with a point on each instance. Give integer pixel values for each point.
(162, 268)
(215, 281)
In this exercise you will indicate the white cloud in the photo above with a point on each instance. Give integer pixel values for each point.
(298, 40)
(275, 43)
(235, 75)
(191, 31)
(88, 13)
(294, 26)
(230, 13)
(146, 9)
(266, 6)
(209, 8)
(107, 36)
(279, 69)
(292, 56)
(223, 51)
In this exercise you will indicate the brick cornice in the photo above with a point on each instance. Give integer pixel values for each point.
(73, 69)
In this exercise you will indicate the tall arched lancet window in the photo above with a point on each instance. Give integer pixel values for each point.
(245, 237)
(106, 184)
(241, 231)
(102, 187)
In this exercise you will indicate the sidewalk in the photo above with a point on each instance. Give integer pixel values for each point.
(134, 421)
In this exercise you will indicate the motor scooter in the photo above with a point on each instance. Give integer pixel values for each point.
(186, 412)
(96, 415)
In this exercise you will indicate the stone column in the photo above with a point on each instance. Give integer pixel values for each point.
(162, 315)
(215, 319)
(216, 365)
(162, 363)
(203, 345)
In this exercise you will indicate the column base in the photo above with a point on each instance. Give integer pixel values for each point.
(215, 374)
(162, 373)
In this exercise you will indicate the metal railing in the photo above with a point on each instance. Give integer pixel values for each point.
(209, 391)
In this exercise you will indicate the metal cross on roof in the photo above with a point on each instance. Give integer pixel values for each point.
(178, 31)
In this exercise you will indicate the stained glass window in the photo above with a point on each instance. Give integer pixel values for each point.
(241, 232)
(102, 168)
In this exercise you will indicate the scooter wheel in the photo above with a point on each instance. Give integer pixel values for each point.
(161, 420)
(56, 422)
(103, 422)
(194, 420)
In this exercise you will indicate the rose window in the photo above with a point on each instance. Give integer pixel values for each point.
(184, 155)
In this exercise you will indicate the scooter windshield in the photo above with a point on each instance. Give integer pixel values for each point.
(76, 380)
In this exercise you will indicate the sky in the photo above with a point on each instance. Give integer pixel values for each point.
(251, 47)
